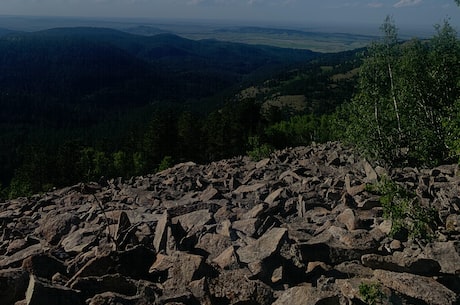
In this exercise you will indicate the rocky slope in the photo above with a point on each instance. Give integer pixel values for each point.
(301, 227)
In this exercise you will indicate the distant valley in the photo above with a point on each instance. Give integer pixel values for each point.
(81, 102)
(318, 38)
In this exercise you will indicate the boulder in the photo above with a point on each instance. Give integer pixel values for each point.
(13, 284)
(55, 225)
(134, 263)
(40, 292)
(308, 295)
(161, 233)
(43, 266)
(420, 288)
(234, 287)
(402, 262)
(193, 222)
(80, 240)
(213, 244)
(227, 259)
(267, 245)
(15, 260)
(447, 254)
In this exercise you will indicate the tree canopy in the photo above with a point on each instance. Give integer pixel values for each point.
(406, 107)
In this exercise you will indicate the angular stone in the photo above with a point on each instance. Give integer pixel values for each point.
(223, 228)
(307, 295)
(122, 230)
(200, 291)
(354, 269)
(110, 297)
(371, 175)
(134, 263)
(213, 244)
(247, 226)
(184, 269)
(399, 262)
(161, 233)
(55, 225)
(79, 240)
(262, 163)
(447, 254)
(209, 193)
(43, 266)
(17, 245)
(13, 285)
(15, 260)
(348, 218)
(421, 288)
(194, 221)
(277, 275)
(40, 292)
(234, 287)
(270, 199)
(350, 288)
(90, 286)
(255, 211)
(227, 259)
(249, 188)
(336, 245)
(264, 247)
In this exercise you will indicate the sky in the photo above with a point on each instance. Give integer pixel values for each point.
(413, 12)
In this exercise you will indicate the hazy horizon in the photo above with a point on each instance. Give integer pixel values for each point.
(416, 14)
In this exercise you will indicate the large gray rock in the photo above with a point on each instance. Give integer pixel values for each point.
(56, 225)
(267, 245)
(423, 289)
(13, 284)
(235, 287)
(447, 254)
(401, 262)
(79, 240)
(308, 295)
(213, 244)
(110, 297)
(336, 245)
(40, 292)
(161, 233)
(193, 222)
(43, 266)
(134, 263)
(227, 259)
(15, 260)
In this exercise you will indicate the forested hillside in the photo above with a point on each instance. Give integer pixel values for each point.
(79, 104)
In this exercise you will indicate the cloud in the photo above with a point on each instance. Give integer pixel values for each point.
(375, 4)
(403, 3)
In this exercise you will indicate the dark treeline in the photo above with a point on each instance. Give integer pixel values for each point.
(79, 103)
(397, 102)
(71, 132)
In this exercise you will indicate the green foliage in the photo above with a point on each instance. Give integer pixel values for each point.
(406, 91)
(301, 130)
(404, 210)
(371, 293)
(119, 112)
(165, 163)
(258, 151)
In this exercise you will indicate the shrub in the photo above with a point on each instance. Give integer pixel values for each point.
(371, 293)
(403, 208)
(258, 151)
